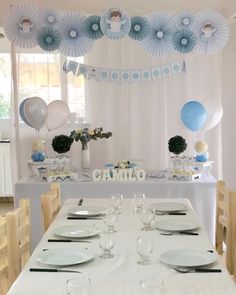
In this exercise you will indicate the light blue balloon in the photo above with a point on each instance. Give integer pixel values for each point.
(193, 115)
(22, 113)
(202, 157)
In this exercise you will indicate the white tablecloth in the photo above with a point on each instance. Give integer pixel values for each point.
(121, 274)
(201, 194)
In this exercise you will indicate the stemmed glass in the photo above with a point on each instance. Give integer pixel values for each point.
(106, 243)
(147, 217)
(138, 201)
(110, 219)
(116, 201)
(144, 248)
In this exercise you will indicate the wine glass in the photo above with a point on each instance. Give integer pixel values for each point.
(110, 219)
(138, 201)
(106, 243)
(144, 248)
(147, 217)
(152, 287)
(80, 285)
(116, 201)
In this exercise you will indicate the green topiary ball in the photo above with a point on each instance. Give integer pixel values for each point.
(61, 143)
(177, 145)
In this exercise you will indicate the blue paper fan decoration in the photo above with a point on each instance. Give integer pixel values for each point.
(139, 28)
(159, 40)
(115, 23)
(74, 41)
(92, 27)
(185, 21)
(49, 39)
(184, 41)
(212, 32)
(21, 25)
(51, 18)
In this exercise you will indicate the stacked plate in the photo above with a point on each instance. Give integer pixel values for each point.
(188, 258)
(86, 211)
(168, 207)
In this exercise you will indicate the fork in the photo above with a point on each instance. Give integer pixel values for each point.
(190, 269)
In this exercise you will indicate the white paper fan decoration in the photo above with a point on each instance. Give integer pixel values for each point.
(115, 23)
(51, 18)
(159, 40)
(185, 21)
(212, 32)
(74, 41)
(21, 25)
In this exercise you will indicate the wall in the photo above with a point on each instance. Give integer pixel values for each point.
(229, 106)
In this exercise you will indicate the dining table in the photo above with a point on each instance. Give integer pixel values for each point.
(201, 193)
(122, 274)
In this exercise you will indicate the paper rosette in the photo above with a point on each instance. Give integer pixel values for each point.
(51, 18)
(159, 40)
(21, 25)
(49, 39)
(212, 32)
(92, 27)
(139, 28)
(115, 23)
(185, 21)
(74, 41)
(184, 41)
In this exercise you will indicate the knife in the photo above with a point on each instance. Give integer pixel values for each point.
(170, 213)
(179, 232)
(83, 218)
(53, 270)
(64, 240)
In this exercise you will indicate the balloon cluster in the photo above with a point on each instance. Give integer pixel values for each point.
(195, 115)
(35, 113)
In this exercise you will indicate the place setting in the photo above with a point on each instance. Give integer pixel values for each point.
(170, 227)
(190, 260)
(86, 212)
(169, 208)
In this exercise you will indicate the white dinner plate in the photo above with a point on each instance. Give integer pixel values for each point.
(64, 256)
(168, 206)
(76, 231)
(175, 225)
(188, 258)
(87, 211)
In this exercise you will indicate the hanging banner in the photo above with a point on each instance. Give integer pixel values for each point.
(123, 76)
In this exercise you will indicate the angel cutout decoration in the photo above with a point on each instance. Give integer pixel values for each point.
(26, 25)
(115, 21)
(208, 30)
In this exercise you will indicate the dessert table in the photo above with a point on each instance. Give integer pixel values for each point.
(201, 193)
(121, 274)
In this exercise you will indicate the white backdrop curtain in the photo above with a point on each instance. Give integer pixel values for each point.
(144, 116)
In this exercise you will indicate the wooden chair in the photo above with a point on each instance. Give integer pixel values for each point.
(226, 226)
(51, 204)
(18, 229)
(5, 280)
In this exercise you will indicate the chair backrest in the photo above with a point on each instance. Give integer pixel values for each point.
(51, 204)
(226, 225)
(5, 280)
(18, 228)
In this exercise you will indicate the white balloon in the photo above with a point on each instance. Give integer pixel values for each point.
(214, 114)
(36, 111)
(58, 114)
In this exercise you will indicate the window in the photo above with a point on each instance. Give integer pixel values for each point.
(5, 85)
(40, 74)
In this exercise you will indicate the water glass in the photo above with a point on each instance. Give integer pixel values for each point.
(110, 219)
(106, 243)
(152, 287)
(138, 201)
(147, 217)
(80, 285)
(144, 248)
(116, 201)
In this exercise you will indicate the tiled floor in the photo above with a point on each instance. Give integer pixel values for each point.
(6, 207)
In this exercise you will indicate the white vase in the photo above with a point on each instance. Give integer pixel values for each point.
(85, 157)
